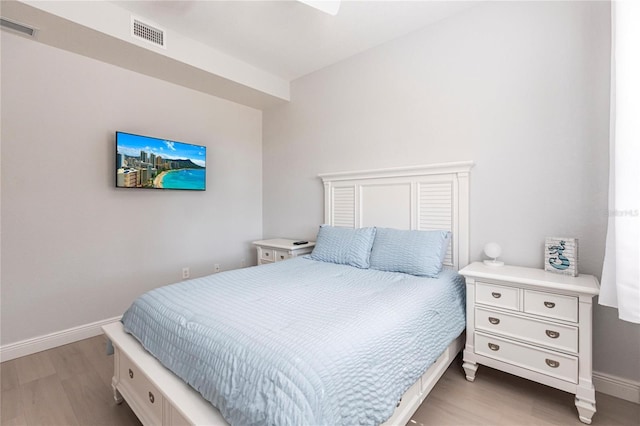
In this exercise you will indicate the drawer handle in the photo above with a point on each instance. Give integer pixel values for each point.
(130, 374)
(549, 305)
(496, 294)
(152, 398)
(494, 347)
(399, 401)
(494, 321)
(551, 363)
(552, 334)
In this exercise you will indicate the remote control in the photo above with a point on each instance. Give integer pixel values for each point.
(299, 243)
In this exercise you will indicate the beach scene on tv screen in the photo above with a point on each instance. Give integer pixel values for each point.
(145, 162)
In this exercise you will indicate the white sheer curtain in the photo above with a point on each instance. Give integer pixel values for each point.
(621, 272)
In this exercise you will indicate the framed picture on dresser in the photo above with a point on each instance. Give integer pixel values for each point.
(561, 255)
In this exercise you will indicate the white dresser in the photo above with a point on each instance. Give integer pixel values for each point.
(280, 249)
(534, 324)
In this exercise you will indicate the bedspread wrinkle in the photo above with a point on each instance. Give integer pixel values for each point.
(301, 342)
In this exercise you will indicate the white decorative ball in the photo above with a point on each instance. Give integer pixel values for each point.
(492, 250)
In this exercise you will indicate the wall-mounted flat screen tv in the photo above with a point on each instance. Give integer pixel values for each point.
(146, 162)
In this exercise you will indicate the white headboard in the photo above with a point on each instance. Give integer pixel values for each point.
(429, 197)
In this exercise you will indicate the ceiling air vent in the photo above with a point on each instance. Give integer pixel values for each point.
(147, 32)
(18, 27)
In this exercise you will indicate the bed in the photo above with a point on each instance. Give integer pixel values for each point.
(353, 352)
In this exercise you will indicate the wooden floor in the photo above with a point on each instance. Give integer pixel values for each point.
(71, 385)
(497, 398)
(68, 385)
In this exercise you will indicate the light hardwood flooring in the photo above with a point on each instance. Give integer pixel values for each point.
(498, 398)
(71, 385)
(68, 385)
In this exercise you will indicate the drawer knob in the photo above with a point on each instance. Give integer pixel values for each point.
(130, 374)
(152, 398)
(551, 363)
(494, 321)
(494, 347)
(552, 334)
(266, 253)
(496, 294)
(549, 304)
(282, 257)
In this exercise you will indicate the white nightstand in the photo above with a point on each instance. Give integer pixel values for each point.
(280, 249)
(534, 324)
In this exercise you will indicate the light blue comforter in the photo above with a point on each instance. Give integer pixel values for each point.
(301, 342)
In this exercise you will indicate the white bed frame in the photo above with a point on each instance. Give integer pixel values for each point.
(419, 197)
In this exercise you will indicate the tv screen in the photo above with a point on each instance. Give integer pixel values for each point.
(146, 162)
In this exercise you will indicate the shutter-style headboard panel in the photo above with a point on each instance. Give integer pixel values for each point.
(429, 197)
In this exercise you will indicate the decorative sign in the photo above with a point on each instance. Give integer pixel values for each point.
(561, 255)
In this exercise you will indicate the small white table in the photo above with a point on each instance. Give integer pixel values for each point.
(279, 249)
(534, 324)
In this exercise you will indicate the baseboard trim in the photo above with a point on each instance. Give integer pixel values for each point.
(626, 389)
(52, 340)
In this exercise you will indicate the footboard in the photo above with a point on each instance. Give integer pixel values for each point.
(155, 394)
(158, 397)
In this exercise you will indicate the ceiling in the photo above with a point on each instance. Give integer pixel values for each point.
(289, 38)
(244, 51)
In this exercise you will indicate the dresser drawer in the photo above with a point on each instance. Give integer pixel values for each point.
(554, 364)
(497, 295)
(279, 255)
(267, 254)
(136, 382)
(551, 305)
(552, 335)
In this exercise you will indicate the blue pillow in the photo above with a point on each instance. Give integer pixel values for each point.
(345, 246)
(411, 252)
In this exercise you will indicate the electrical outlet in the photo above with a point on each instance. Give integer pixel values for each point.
(216, 267)
(185, 273)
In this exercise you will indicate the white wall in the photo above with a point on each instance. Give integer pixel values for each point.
(520, 88)
(74, 248)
